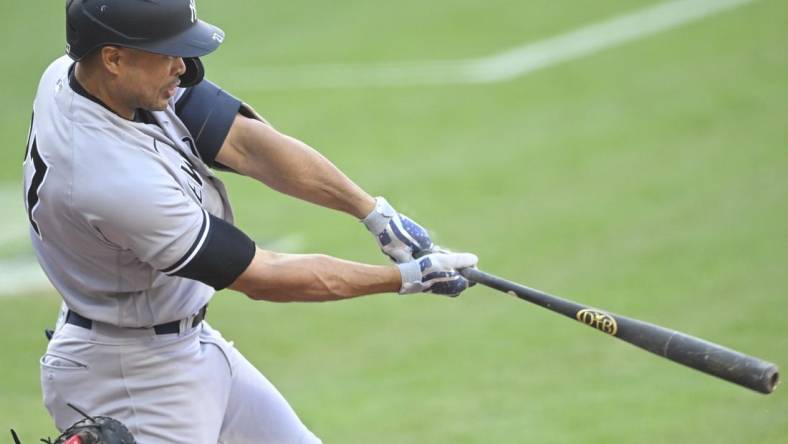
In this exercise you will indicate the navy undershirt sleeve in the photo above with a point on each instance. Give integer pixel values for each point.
(208, 112)
(223, 256)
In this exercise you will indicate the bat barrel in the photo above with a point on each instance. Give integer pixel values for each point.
(710, 358)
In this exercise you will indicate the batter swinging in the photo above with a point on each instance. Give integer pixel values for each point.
(135, 231)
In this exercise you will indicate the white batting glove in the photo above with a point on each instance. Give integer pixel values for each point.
(399, 238)
(436, 273)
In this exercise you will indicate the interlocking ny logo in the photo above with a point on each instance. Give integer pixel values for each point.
(193, 8)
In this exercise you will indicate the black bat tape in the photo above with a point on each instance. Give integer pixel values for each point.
(716, 360)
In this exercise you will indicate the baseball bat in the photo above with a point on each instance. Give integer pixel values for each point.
(710, 358)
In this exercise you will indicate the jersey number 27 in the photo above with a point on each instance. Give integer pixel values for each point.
(40, 169)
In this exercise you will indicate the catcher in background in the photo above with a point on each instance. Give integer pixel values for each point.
(91, 430)
(135, 231)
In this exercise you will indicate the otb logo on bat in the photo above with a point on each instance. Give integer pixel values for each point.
(599, 320)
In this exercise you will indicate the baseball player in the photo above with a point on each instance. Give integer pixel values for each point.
(135, 231)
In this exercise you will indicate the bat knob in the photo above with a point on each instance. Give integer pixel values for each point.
(772, 378)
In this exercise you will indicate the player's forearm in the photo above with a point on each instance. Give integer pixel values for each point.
(313, 278)
(306, 174)
(292, 167)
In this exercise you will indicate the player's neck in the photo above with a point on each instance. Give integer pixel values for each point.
(102, 89)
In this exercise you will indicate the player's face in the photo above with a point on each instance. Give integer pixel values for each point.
(150, 80)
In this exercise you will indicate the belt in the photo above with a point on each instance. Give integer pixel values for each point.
(77, 319)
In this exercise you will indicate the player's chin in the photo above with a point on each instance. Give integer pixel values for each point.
(160, 105)
(168, 93)
(161, 102)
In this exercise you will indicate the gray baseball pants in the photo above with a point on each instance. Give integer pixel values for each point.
(192, 387)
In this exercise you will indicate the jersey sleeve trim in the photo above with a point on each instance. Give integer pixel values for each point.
(225, 255)
(194, 249)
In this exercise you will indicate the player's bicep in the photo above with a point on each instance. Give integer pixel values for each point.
(249, 143)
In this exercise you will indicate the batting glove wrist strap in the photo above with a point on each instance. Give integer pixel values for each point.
(380, 216)
(398, 237)
(411, 277)
(436, 273)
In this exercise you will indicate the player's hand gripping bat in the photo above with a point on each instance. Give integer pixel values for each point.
(707, 357)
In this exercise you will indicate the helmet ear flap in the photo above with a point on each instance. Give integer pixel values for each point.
(194, 72)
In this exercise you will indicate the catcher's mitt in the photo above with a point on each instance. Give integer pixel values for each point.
(92, 430)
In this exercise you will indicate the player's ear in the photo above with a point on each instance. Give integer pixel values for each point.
(110, 58)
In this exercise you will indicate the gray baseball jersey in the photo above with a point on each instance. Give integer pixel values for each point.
(134, 230)
(126, 218)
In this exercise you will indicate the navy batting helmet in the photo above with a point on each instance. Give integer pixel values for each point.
(168, 27)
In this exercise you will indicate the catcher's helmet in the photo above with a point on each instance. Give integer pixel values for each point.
(168, 27)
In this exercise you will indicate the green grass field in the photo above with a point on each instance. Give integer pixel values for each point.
(649, 179)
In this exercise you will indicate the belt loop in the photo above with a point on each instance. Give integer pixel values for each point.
(184, 325)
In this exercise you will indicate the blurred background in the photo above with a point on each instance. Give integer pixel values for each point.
(630, 154)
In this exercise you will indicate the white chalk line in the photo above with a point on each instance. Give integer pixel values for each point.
(18, 273)
(22, 276)
(13, 215)
(506, 65)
